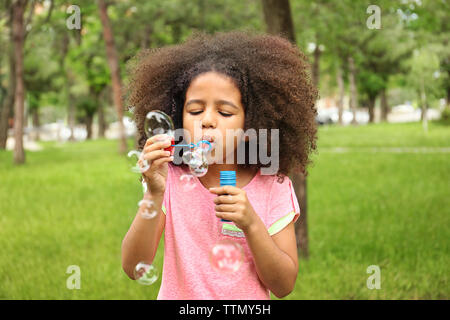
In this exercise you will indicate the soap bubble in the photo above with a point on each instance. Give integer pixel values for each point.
(145, 274)
(198, 164)
(144, 186)
(187, 182)
(197, 161)
(149, 211)
(226, 256)
(157, 122)
(186, 157)
(205, 146)
(140, 165)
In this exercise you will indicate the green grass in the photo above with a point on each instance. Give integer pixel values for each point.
(72, 205)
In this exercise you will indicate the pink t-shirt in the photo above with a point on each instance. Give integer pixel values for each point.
(192, 229)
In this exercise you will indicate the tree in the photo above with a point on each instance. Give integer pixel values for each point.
(114, 67)
(279, 21)
(8, 101)
(18, 32)
(424, 67)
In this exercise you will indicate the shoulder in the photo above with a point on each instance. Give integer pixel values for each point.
(274, 183)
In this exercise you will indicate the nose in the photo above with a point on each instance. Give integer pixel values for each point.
(208, 119)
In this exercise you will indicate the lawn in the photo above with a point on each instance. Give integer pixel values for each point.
(377, 195)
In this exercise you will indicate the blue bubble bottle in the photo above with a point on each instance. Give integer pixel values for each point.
(227, 178)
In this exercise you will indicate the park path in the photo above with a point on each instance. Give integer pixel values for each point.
(386, 149)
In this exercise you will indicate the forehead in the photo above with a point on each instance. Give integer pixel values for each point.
(213, 83)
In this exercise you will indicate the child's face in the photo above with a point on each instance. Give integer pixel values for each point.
(213, 104)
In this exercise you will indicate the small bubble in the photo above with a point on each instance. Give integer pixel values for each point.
(144, 186)
(149, 211)
(138, 165)
(187, 182)
(145, 274)
(186, 157)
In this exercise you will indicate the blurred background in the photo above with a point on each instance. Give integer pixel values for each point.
(377, 192)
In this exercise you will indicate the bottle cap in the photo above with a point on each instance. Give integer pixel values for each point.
(228, 178)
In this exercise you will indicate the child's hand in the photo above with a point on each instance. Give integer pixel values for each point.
(232, 204)
(157, 159)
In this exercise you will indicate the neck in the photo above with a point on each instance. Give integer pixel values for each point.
(212, 177)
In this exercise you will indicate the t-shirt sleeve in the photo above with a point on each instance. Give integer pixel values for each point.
(164, 205)
(283, 206)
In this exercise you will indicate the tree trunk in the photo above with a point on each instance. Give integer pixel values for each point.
(145, 41)
(301, 227)
(384, 105)
(277, 14)
(423, 100)
(101, 120)
(113, 63)
(4, 116)
(316, 66)
(71, 114)
(8, 103)
(340, 102)
(353, 92)
(448, 98)
(278, 18)
(372, 109)
(89, 121)
(19, 96)
(36, 123)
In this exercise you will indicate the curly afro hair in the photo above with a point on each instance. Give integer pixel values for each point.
(272, 74)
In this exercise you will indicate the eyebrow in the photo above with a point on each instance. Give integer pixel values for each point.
(216, 102)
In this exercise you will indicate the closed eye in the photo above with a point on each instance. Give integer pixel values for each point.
(194, 113)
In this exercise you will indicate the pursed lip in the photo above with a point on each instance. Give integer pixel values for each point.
(208, 138)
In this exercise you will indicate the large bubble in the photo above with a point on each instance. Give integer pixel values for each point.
(197, 161)
(226, 256)
(157, 122)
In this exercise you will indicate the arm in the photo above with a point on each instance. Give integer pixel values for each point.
(142, 239)
(275, 257)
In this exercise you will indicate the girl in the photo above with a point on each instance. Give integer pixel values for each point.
(235, 80)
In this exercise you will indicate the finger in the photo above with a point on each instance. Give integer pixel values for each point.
(225, 215)
(232, 190)
(155, 138)
(225, 208)
(154, 155)
(161, 137)
(157, 145)
(163, 160)
(225, 199)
